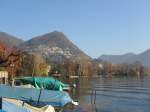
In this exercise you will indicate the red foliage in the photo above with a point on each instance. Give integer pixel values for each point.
(10, 58)
(2, 47)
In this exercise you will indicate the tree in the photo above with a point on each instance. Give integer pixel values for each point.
(37, 61)
(27, 64)
(10, 59)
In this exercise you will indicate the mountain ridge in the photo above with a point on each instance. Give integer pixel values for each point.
(9, 39)
(53, 44)
(143, 57)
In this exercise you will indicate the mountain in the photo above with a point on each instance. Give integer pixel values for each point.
(9, 40)
(117, 58)
(54, 46)
(143, 57)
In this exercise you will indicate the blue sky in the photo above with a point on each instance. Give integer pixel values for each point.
(96, 26)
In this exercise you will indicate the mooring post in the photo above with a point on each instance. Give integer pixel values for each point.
(91, 96)
(95, 97)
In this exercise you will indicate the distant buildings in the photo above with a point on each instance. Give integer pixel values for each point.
(50, 50)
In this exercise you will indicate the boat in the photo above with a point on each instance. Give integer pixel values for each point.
(48, 83)
(11, 107)
(36, 97)
(21, 104)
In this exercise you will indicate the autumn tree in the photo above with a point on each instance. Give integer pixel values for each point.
(10, 59)
(27, 64)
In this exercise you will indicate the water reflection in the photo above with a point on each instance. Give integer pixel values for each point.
(113, 94)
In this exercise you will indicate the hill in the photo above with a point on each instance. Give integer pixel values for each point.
(143, 57)
(118, 58)
(54, 47)
(9, 40)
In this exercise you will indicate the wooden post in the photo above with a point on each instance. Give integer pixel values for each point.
(91, 96)
(95, 97)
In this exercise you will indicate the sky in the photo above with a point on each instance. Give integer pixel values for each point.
(96, 26)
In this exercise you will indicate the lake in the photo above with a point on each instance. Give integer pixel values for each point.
(113, 94)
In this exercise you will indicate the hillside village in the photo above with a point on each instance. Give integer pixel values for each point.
(46, 51)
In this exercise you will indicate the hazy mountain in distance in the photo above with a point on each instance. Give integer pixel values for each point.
(9, 40)
(117, 58)
(143, 57)
(55, 46)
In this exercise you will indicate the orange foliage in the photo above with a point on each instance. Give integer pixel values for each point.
(10, 58)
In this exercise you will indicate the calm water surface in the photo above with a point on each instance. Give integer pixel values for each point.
(115, 94)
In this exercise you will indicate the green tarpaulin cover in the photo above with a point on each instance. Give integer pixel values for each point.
(49, 83)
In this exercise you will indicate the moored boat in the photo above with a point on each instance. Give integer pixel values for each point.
(48, 83)
(36, 97)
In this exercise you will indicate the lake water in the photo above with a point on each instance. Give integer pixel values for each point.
(113, 94)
